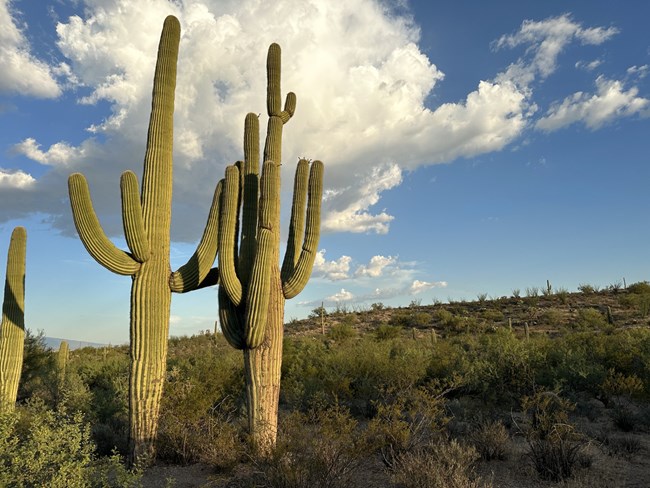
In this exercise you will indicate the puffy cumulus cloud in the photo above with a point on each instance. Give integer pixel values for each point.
(356, 199)
(21, 72)
(376, 266)
(341, 296)
(610, 102)
(419, 286)
(59, 154)
(360, 78)
(15, 179)
(331, 270)
(545, 40)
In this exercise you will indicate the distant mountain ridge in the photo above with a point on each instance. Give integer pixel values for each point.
(55, 342)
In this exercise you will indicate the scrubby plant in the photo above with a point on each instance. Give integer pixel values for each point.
(321, 449)
(555, 444)
(446, 464)
(387, 332)
(12, 327)
(491, 440)
(147, 218)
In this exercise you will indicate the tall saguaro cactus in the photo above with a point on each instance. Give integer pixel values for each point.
(12, 327)
(146, 219)
(253, 287)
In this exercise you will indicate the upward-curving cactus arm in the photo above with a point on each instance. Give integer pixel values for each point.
(296, 275)
(91, 233)
(192, 274)
(136, 237)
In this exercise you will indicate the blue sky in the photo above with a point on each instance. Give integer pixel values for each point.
(470, 147)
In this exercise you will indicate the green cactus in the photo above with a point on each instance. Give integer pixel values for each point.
(61, 364)
(12, 327)
(253, 287)
(146, 218)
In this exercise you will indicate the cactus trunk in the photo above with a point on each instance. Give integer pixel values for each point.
(262, 367)
(12, 327)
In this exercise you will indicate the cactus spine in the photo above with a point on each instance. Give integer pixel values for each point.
(12, 327)
(146, 219)
(253, 287)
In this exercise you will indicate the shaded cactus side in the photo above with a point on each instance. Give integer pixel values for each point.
(253, 287)
(12, 327)
(146, 216)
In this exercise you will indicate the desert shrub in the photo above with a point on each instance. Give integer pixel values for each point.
(492, 315)
(590, 318)
(317, 313)
(532, 292)
(639, 288)
(449, 320)
(321, 449)
(42, 447)
(551, 317)
(342, 332)
(446, 464)
(491, 440)
(201, 403)
(406, 423)
(586, 289)
(563, 295)
(386, 332)
(377, 306)
(627, 445)
(410, 318)
(516, 293)
(37, 377)
(555, 446)
(624, 418)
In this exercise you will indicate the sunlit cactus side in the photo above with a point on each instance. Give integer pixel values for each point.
(12, 327)
(146, 219)
(61, 364)
(253, 287)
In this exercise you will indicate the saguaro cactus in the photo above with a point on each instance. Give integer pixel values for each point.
(61, 364)
(12, 327)
(253, 287)
(146, 219)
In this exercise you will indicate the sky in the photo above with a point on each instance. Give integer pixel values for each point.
(469, 147)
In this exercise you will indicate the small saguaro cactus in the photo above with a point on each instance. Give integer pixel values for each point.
(61, 364)
(253, 287)
(146, 217)
(12, 327)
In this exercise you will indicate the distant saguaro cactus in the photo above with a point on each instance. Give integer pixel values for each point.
(146, 218)
(12, 327)
(61, 364)
(253, 287)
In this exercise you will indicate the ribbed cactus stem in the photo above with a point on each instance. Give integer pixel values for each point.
(12, 327)
(61, 365)
(146, 216)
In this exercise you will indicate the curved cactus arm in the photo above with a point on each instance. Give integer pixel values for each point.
(231, 323)
(227, 235)
(190, 276)
(295, 283)
(297, 222)
(136, 237)
(91, 233)
(257, 296)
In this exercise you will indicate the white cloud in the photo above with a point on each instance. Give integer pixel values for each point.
(419, 286)
(21, 72)
(331, 270)
(356, 199)
(59, 154)
(589, 66)
(610, 102)
(546, 39)
(15, 179)
(376, 266)
(639, 71)
(360, 79)
(341, 296)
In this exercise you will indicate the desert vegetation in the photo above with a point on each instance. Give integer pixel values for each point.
(386, 401)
